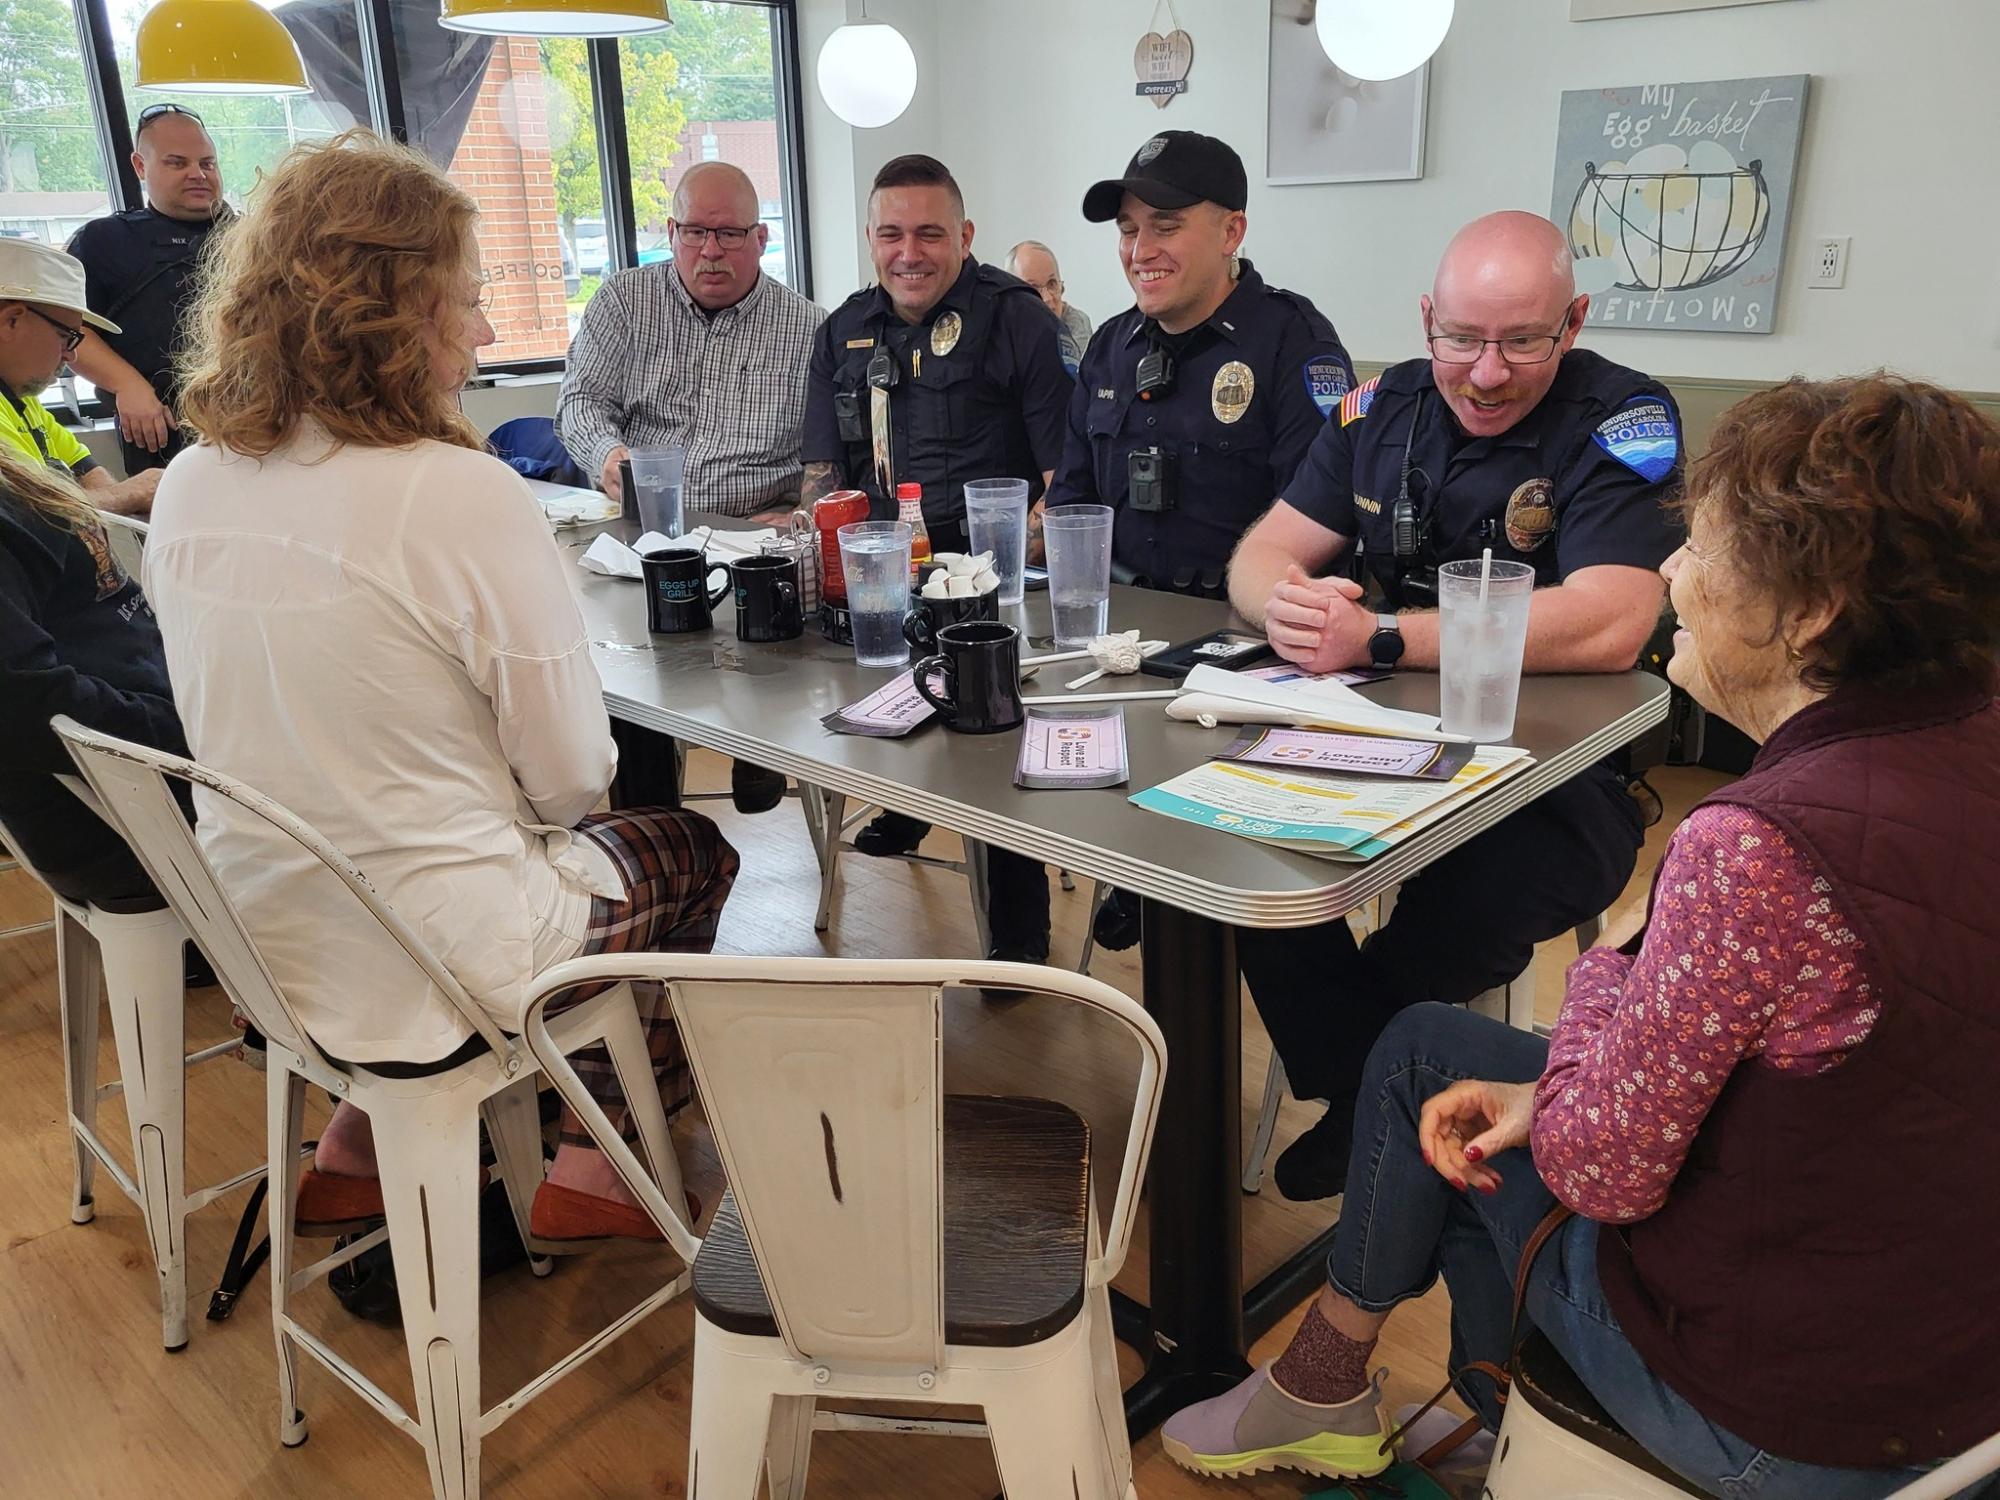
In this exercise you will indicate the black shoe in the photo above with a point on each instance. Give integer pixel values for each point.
(1315, 1165)
(1117, 924)
(753, 789)
(891, 833)
(1004, 953)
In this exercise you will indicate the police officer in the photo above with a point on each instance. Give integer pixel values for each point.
(944, 371)
(1193, 407)
(1506, 437)
(139, 272)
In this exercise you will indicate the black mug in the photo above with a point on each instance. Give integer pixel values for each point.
(678, 598)
(767, 599)
(981, 663)
(928, 616)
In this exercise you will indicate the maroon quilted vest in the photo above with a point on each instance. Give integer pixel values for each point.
(1820, 1280)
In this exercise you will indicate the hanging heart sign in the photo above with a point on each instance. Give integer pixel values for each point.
(1162, 63)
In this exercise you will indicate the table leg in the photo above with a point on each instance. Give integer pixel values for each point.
(649, 772)
(1194, 1201)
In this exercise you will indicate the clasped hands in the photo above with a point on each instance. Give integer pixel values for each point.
(1463, 1128)
(1319, 624)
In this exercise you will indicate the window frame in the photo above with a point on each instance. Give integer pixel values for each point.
(377, 40)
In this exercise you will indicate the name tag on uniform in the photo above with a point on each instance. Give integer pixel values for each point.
(1372, 507)
(1107, 393)
(861, 343)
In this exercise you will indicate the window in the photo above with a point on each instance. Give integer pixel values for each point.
(52, 174)
(705, 90)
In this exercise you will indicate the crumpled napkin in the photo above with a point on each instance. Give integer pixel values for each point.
(612, 558)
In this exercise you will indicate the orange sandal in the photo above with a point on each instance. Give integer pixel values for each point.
(330, 1205)
(564, 1219)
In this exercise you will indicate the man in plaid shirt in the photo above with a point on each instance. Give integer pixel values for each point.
(704, 352)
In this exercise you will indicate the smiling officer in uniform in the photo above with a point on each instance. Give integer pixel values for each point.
(1506, 437)
(945, 371)
(1194, 407)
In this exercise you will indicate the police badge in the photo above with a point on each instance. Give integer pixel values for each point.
(1230, 396)
(1531, 515)
(945, 332)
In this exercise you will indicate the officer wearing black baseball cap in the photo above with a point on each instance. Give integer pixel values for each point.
(1193, 408)
(1175, 169)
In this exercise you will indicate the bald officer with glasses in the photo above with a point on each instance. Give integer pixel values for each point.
(1507, 437)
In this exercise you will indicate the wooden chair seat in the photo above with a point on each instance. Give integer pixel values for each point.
(1016, 1229)
(1543, 1378)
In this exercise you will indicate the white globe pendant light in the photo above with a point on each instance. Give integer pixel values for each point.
(1381, 39)
(867, 73)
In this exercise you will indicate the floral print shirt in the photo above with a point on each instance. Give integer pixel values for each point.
(1747, 962)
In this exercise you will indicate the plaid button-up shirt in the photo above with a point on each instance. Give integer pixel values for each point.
(648, 367)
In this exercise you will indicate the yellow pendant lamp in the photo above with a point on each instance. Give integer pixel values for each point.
(217, 47)
(556, 17)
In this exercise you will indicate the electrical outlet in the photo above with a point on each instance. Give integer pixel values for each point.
(1829, 262)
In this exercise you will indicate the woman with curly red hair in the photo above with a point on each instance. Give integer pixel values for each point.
(1768, 1111)
(366, 617)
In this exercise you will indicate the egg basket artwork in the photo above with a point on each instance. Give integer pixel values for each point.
(1670, 231)
(1675, 198)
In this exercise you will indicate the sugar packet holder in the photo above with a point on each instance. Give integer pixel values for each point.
(1072, 749)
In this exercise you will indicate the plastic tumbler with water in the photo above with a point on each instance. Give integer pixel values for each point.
(657, 473)
(1079, 541)
(996, 520)
(875, 559)
(1483, 631)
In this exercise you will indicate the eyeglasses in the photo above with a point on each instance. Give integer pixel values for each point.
(71, 336)
(694, 236)
(153, 112)
(1521, 349)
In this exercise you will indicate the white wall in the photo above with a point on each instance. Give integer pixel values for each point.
(1030, 101)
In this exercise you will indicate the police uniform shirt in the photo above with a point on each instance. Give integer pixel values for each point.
(980, 391)
(1253, 386)
(1578, 482)
(138, 272)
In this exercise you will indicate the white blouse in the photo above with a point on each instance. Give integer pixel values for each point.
(385, 641)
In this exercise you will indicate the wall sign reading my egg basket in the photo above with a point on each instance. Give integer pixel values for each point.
(1162, 59)
(1675, 197)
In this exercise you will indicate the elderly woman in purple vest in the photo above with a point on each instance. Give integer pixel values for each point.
(1771, 1109)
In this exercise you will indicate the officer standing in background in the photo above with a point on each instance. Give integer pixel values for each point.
(139, 272)
(1505, 437)
(1194, 407)
(944, 371)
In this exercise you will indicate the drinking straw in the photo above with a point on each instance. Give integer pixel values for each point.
(1485, 574)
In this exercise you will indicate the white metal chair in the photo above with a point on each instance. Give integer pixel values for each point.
(134, 950)
(1556, 1442)
(1513, 1003)
(882, 1241)
(430, 1182)
(828, 824)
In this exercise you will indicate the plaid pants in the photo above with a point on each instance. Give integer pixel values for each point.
(677, 869)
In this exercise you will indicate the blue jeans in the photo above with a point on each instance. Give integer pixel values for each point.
(1403, 1225)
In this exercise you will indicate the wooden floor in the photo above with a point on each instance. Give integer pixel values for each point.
(91, 1407)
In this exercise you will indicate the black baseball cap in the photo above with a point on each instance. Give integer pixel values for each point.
(1175, 169)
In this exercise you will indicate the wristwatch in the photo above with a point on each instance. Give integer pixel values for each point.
(1385, 646)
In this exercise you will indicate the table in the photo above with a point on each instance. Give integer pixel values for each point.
(764, 703)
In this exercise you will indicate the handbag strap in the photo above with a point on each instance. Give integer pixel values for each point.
(1553, 1220)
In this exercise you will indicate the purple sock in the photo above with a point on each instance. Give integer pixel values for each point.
(1322, 1365)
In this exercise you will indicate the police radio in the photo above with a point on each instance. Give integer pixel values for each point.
(883, 371)
(1416, 580)
(1157, 373)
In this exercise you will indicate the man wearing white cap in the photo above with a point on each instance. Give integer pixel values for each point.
(42, 318)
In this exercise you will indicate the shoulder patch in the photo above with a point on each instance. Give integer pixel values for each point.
(1326, 381)
(1643, 436)
(1357, 402)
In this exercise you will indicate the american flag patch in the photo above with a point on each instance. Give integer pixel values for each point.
(1357, 401)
